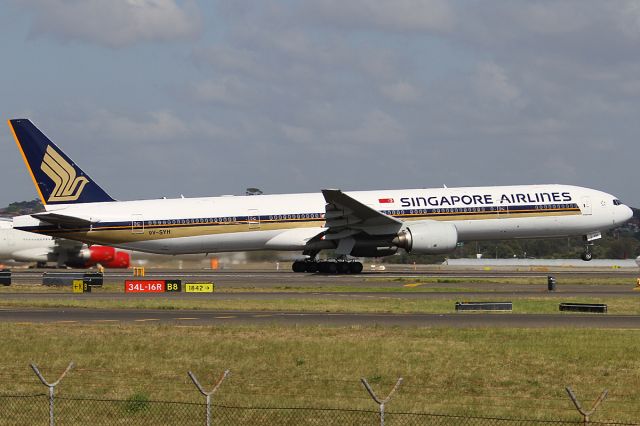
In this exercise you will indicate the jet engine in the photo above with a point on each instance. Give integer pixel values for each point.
(98, 254)
(428, 237)
(121, 260)
(108, 257)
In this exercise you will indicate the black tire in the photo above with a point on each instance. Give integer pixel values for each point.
(355, 267)
(587, 256)
(343, 267)
(311, 267)
(332, 268)
(298, 266)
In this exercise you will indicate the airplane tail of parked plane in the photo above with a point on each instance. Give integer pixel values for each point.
(57, 178)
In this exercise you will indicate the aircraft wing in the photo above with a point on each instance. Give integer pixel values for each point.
(346, 216)
(68, 245)
(63, 219)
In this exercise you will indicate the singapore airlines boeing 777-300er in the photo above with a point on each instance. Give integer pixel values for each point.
(358, 223)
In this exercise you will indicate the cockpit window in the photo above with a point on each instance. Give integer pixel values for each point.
(617, 202)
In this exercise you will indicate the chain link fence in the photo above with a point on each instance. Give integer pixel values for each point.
(138, 409)
(33, 410)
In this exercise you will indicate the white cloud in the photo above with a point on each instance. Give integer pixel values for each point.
(227, 90)
(158, 126)
(508, 92)
(113, 23)
(628, 19)
(375, 128)
(225, 58)
(297, 134)
(401, 92)
(492, 82)
(397, 15)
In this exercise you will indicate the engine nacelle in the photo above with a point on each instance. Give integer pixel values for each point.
(101, 254)
(429, 237)
(121, 260)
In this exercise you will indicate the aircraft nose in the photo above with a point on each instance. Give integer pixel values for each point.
(625, 213)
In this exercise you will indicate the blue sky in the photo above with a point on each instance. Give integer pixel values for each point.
(162, 97)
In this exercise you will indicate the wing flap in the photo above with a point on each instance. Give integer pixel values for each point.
(346, 216)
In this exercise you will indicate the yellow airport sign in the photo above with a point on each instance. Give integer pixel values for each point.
(199, 287)
(78, 286)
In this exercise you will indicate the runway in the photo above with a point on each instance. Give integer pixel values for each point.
(223, 317)
(271, 285)
(269, 278)
(426, 293)
(284, 282)
(452, 284)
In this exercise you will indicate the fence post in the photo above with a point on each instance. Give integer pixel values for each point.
(51, 387)
(380, 402)
(208, 394)
(586, 414)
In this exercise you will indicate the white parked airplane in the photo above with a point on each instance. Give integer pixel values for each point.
(21, 246)
(364, 223)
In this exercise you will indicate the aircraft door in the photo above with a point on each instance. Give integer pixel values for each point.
(137, 224)
(6, 237)
(585, 205)
(253, 218)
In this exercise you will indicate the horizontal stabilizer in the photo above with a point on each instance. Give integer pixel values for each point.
(62, 219)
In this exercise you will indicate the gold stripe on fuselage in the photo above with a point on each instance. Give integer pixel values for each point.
(127, 234)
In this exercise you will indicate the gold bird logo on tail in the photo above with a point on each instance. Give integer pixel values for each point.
(68, 186)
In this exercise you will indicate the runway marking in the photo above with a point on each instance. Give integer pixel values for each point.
(147, 319)
(186, 319)
(65, 322)
(262, 316)
(232, 316)
(413, 285)
(106, 320)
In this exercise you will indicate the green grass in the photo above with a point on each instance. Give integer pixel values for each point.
(486, 372)
(518, 373)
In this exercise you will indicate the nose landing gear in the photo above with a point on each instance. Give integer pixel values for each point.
(588, 243)
(587, 255)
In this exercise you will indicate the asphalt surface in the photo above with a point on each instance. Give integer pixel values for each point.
(278, 285)
(220, 317)
(270, 285)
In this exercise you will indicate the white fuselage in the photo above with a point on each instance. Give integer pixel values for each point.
(23, 246)
(290, 221)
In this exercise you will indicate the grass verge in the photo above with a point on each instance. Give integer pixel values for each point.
(486, 372)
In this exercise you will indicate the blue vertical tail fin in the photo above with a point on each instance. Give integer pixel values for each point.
(57, 178)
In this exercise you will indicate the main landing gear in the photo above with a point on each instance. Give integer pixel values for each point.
(587, 255)
(327, 266)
